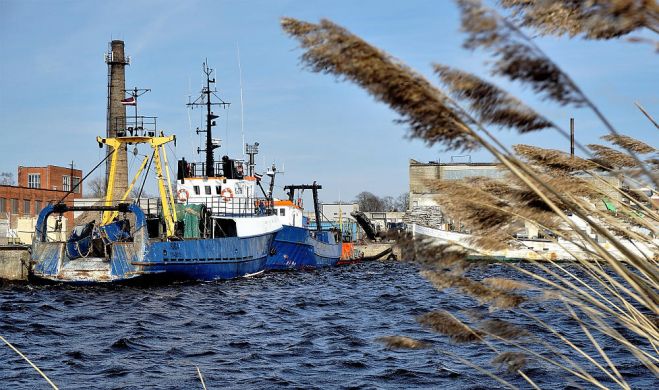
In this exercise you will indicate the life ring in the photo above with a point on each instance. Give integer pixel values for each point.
(227, 194)
(183, 195)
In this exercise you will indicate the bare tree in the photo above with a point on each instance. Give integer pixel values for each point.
(7, 178)
(369, 202)
(96, 187)
(403, 201)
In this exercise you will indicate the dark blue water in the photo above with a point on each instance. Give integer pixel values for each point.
(294, 330)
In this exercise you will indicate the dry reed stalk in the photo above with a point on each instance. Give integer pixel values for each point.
(30, 362)
(401, 342)
(323, 41)
(515, 64)
(567, 341)
(201, 378)
(596, 19)
(621, 381)
(478, 368)
(647, 114)
(517, 57)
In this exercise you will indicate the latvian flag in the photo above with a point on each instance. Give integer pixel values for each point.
(130, 101)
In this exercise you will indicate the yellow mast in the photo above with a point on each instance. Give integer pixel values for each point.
(169, 183)
(130, 188)
(155, 143)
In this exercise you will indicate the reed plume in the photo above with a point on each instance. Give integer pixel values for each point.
(513, 361)
(612, 157)
(444, 323)
(629, 143)
(491, 104)
(484, 294)
(554, 160)
(331, 49)
(515, 57)
(592, 19)
(502, 329)
(402, 342)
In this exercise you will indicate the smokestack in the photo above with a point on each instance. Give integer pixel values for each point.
(571, 136)
(117, 61)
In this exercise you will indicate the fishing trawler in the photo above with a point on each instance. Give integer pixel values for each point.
(296, 246)
(212, 229)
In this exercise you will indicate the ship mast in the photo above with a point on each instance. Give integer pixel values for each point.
(205, 100)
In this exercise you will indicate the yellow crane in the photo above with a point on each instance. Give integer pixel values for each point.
(164, 186)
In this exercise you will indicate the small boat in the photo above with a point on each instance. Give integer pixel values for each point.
(296, 246)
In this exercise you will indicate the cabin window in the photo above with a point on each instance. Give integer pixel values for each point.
(196, 190)
(239, 189)
(282, 212)
(208, 190)
(218, 190)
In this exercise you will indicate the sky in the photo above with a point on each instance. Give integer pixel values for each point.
(53, 84)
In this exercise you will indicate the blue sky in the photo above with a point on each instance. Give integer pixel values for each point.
(53, 83)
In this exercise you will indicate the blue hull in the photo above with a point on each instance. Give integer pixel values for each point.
(295, 248)
(190, 259)
(208, 259)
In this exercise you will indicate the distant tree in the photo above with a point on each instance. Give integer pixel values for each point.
(7, 178)
(369, 202)
(96, 187)
(389, 203)
(403, 201)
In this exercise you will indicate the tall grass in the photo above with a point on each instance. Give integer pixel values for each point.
(608, 295)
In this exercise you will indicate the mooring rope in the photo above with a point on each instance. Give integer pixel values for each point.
(32, 364)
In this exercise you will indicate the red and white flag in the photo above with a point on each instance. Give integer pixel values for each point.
(130, 101)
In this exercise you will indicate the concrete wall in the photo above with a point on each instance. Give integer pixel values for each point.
(14, 261)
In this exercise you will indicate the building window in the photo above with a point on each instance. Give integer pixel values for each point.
(196, 190)
(37, 206)
(34, 180)
(208, 190)
(66, 183)
(26, 207)
(3, 205)
(76, 185)
(14, 206)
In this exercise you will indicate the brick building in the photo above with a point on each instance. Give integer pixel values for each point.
(38, 186)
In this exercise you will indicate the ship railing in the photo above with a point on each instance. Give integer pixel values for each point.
(236, 207)
(140, 126)
(195, 169)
